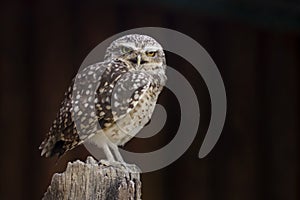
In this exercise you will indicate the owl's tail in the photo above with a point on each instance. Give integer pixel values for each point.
(50, 147)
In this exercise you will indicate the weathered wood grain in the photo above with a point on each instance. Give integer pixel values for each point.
(90, 181)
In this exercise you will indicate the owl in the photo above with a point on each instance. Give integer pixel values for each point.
(109, 102)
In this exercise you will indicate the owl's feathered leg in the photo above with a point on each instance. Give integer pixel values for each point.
(116, 163)
(116, 152)
(120, 161)
(108, 153)
(109, 156)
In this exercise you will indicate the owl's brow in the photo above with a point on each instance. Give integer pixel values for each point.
(129, 45)
(152, 48)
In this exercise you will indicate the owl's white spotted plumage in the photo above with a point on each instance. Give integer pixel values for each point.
(109, 102)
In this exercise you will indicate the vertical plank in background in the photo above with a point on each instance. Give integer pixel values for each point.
(53, 75)
(281, 111)
(188, 177)
(240, 48)
(262, 137)
(15, 97)
(217, 160)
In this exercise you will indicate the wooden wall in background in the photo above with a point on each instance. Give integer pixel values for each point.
(257, 156)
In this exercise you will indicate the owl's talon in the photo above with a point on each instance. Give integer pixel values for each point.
(104, 163)
(123, 165)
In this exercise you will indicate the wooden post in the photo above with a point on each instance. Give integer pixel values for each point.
(90, 181)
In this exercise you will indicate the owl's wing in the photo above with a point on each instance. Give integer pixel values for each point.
(117, 92)
(63, 134)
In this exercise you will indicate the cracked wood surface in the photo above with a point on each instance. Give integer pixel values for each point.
(90, 181)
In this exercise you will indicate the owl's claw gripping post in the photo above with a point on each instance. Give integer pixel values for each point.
(128, 167)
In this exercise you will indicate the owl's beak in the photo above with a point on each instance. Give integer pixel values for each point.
(139, 58)
(137, 61)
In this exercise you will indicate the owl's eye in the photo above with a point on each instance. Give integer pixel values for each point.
(126, 49)
(151, 53)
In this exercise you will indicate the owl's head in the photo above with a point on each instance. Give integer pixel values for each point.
(141, 52)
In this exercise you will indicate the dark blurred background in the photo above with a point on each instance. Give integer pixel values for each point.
(255, 45)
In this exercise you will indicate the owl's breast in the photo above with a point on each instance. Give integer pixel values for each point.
(126, 128)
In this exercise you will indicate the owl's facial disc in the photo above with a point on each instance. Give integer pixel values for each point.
(141, 58)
